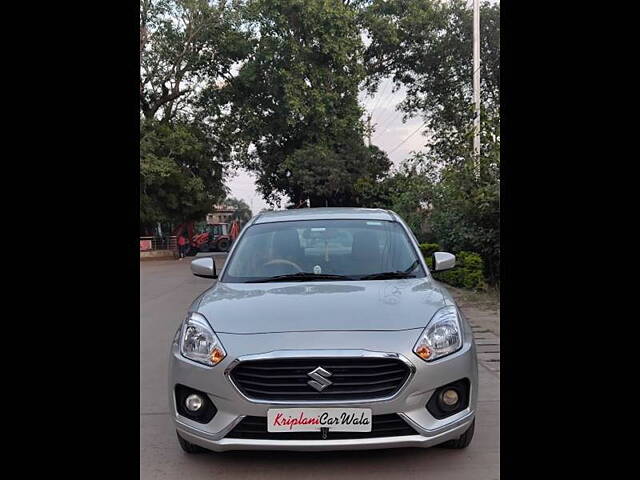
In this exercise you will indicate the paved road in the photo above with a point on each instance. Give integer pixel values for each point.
(166, 290)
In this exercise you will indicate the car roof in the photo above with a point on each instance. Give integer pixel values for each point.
(325, 213)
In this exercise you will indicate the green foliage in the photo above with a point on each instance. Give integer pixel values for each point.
(468, 272)
(426, 45)
(291, 116)
(428, 249)
(243, 211)
(406, 191)
(296, 100)
(178, 179)
(461, 278)
(409, 192)
(185, 44)
(466, 215)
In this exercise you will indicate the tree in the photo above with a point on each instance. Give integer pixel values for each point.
(328, 177)
(466, 215)
(296, 100)
(243, 212)
(178, 180)
(185, 45)
(426, 45)
(407, 191)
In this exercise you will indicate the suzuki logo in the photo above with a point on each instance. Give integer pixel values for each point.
(320, 380)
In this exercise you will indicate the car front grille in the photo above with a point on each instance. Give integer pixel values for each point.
(351, 378)
(255, 428)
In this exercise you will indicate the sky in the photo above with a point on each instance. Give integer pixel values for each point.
(389, 134)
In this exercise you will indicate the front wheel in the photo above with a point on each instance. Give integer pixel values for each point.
(463, 440)
(223, 245)
(189, 447)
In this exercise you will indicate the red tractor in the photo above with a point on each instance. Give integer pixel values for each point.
(214, 238)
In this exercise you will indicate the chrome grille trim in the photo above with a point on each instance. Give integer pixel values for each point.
(302, 354)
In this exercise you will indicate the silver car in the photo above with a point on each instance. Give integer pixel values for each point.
(324, 331)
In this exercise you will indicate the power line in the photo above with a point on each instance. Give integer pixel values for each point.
(411, 135)
(392, 119)
(380, 97)
(366, 103)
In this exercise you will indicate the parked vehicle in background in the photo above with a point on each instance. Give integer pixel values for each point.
(207, 237)
(325, 331)
(215, 238)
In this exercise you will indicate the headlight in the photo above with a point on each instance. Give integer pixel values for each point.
(199, 343)
(442, 336)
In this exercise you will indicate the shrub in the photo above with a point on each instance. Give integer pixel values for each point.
(468, 272)
(427, 249)
(470, 260)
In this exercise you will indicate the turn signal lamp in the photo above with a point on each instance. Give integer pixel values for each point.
(423, 352)
(216, 356)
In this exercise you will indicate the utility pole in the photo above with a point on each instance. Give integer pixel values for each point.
(476, 86)
(369, 128)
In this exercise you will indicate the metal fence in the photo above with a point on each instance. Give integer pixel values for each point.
(167, 242)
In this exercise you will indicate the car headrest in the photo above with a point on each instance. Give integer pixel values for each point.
(286, 243)
(365, 247)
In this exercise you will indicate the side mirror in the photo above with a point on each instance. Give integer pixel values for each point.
(443, 261)
(204, 267)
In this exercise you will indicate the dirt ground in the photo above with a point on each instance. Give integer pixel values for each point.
(482, 307)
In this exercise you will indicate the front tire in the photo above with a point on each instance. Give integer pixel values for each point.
(463, 440)
(189, 447)
(223, 245)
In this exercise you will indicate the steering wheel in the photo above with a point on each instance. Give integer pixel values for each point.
(282, 261)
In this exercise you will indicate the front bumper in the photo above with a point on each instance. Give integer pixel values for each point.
(409, 402)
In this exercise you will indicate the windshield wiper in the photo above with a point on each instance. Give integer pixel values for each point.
(301, 277)
(391, 275)
(387, 275)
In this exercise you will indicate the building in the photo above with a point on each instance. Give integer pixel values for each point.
(220, 214)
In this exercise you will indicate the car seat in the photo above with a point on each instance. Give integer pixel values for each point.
(286, 246)
(365, 253)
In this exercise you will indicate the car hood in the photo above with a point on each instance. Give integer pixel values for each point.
(243, 308)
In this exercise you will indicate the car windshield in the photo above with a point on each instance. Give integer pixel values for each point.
(323, 250)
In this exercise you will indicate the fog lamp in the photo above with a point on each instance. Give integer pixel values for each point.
(449, 397)
(193, 402)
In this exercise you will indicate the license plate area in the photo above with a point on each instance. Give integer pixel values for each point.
(315, 419)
